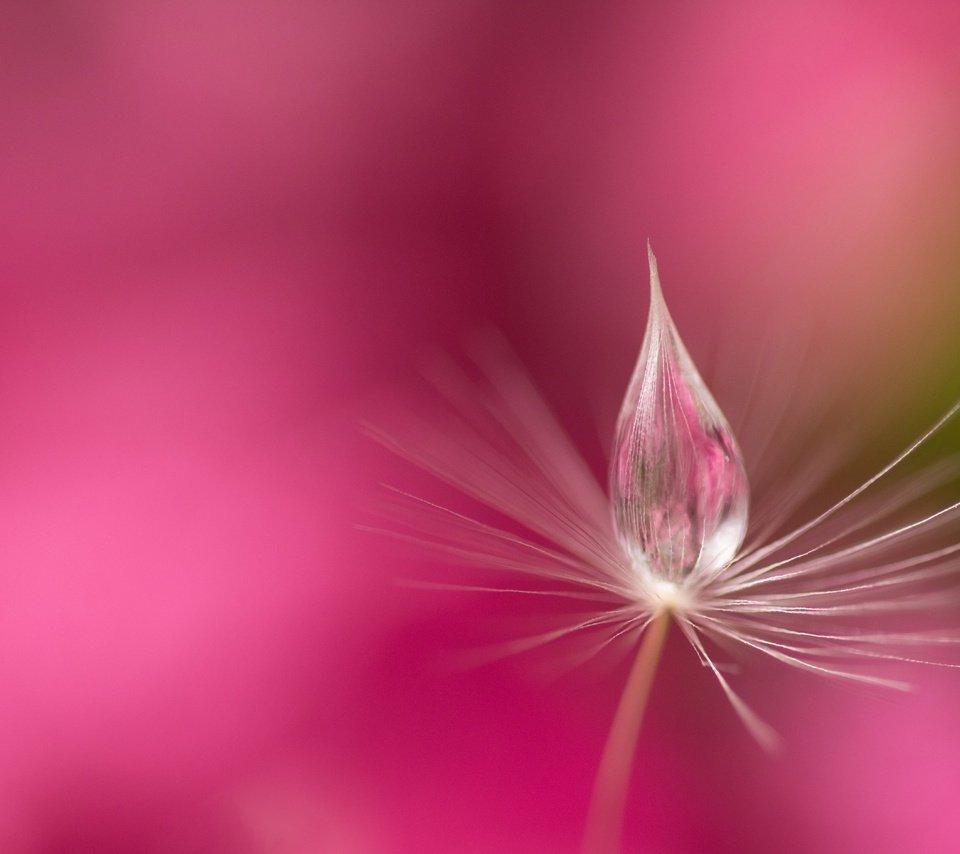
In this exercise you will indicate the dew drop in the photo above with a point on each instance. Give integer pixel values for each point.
(678, 483)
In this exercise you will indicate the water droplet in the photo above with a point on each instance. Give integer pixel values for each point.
(678, 483)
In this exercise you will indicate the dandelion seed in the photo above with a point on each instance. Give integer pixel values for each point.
(667, 546)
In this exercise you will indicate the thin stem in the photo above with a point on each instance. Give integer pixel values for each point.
(609, 798)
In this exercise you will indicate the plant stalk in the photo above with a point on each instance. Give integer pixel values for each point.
(608, 801)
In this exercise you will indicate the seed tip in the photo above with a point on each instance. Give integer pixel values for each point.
(655, 292)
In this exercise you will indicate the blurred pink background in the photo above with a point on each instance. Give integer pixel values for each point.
(232, 230)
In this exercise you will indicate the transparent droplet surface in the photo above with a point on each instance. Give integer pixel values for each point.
(678, 483)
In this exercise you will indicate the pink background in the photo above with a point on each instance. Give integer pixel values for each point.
(231, 230)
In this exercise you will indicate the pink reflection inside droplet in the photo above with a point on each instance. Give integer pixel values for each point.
(678, 482)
